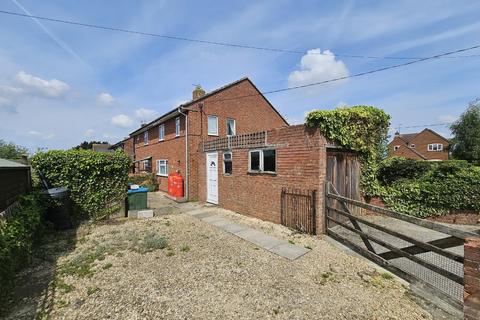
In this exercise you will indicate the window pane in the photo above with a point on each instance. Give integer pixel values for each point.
(228, 167)
(255, 161)
(269, 160)
(212, 125)
(230, 127)
(161, 133)
(227, 156)
(177, 126)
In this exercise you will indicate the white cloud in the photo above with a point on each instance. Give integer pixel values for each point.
(144, 113)
(122, 121)
(105, 98)
(89, 132)
(47, 88)
(42, 135)
(447, 118)
(317, 66)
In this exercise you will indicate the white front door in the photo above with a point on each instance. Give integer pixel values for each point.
(212, 177)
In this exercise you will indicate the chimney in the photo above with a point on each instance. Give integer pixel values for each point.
(397, 133)
(143, 124)
(198, 92)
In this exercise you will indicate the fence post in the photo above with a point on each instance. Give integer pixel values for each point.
(471, 270)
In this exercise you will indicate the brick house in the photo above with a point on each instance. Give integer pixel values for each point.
(173, 141)
(424, 145)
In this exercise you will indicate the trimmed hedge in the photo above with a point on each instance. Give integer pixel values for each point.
(18, 235)
(97, 181)
(423, 189)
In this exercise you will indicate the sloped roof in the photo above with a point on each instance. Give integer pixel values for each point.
(174, 112)
(407, 137)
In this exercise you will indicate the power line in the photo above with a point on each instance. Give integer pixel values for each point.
(216, 43)
(425, 125)
(355, 75)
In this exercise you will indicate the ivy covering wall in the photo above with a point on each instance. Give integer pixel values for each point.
(360, 128)
(97, 181)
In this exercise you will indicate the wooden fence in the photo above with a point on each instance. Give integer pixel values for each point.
(14, 182)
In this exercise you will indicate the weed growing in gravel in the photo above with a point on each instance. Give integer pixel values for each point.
(170, 252)
(308, 247)
(152, 241)
(107, 266)
(185, 248)
(291, 241)
(387, 275)
(92, 290)
(168, 224)
(61, 285)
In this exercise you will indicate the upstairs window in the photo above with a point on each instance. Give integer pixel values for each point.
(227, 163)
(213, 125)
(145, 137)
(162, 168)
(262, 161)
(177, 126)
(161, 132)
(395, 148)
(230, 127)
(435, 147)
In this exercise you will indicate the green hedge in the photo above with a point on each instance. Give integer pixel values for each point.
(18, 235)
(97, 181)
(423, 189)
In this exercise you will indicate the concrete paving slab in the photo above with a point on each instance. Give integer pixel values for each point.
(289, 251)
(259, 238)
(195, 212)
(217, 221)
(233, 228)
(204, 214)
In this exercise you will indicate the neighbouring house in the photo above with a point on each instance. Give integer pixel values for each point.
(423, 145)
(172, 142)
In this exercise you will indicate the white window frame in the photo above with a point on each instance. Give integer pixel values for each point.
(165, 164)
(395, 148)
(177, 127)
(435, 147)
(261, 160)
(234, 127)
(145, 137)
(161, 132)
(208, 125)
(224, 160)
(412, 146)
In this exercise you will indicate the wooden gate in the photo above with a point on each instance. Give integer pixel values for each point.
(343, 171)
(298, 209)
(420, 251)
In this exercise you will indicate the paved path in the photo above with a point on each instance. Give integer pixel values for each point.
(259, 238)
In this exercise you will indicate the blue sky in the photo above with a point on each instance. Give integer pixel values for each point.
(61, 84)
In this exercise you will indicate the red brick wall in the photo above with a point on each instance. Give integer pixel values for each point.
(172, 148)
(301, 163)
(471, 271)
(251, 114)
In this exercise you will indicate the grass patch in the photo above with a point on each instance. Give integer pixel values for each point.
(61, 285)
(387, 275)
(185, 248)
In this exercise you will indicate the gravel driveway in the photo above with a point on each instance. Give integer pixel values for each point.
(126, 270)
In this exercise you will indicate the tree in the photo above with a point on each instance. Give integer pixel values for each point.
(87, 145)
(466, 134)
(11, 151)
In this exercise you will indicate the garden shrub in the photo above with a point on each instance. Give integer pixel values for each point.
(437, 188)
(360, 128)
(19, 232)
(97, 181)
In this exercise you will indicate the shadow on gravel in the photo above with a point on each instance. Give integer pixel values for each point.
(36, 286)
